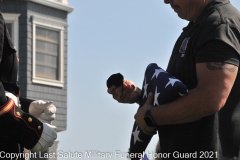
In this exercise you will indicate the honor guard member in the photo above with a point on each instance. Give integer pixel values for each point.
(20, 129)
(206, 58)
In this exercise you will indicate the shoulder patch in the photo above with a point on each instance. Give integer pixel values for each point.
(183, 47)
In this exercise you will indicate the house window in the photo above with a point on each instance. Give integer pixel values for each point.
(48, 51)
(9, 28)
(12, 26)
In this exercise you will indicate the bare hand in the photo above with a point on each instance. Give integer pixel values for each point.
(139, 116)
(126, 93)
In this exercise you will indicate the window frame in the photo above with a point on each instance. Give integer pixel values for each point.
(14, 20)
(43, 22)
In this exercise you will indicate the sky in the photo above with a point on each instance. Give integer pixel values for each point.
(107, 37)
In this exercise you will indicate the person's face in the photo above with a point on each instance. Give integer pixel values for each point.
(186, 9)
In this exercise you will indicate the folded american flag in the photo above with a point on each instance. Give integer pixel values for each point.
(165, 88)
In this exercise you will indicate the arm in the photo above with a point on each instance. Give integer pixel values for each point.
(215, 81)
(19, 126)
(44, 111)
(27, 128)
(25, 103)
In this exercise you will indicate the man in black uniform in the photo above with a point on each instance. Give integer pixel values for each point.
(19, 129)
(205, 123)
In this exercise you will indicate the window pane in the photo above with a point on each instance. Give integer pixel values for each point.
(54, 36)
(45, 60)
(58, 0)
(47, 35)
(47, 48)
(47, 53)
(44, 72)
(9, 27)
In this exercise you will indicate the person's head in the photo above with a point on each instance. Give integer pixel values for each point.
(188, 9)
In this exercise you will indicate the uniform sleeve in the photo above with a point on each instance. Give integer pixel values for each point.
(22, 127)
(25, 103)
(219, 43)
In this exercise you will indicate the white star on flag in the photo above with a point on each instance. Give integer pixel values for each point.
(156, 97)
(172, 81)
(145, 88)
(135, 135)
(157, 72)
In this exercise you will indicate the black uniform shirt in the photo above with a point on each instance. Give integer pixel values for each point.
(214, 37)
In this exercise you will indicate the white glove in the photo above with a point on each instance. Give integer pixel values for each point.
(47, 138)
(45, 111)
(10, 95)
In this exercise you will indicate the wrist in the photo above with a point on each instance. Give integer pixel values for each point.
(138, 90)
(149, 119)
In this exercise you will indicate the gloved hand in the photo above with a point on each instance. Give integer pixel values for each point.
(13, 97)
(44, 111)
(47, 138)
(24, 128)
